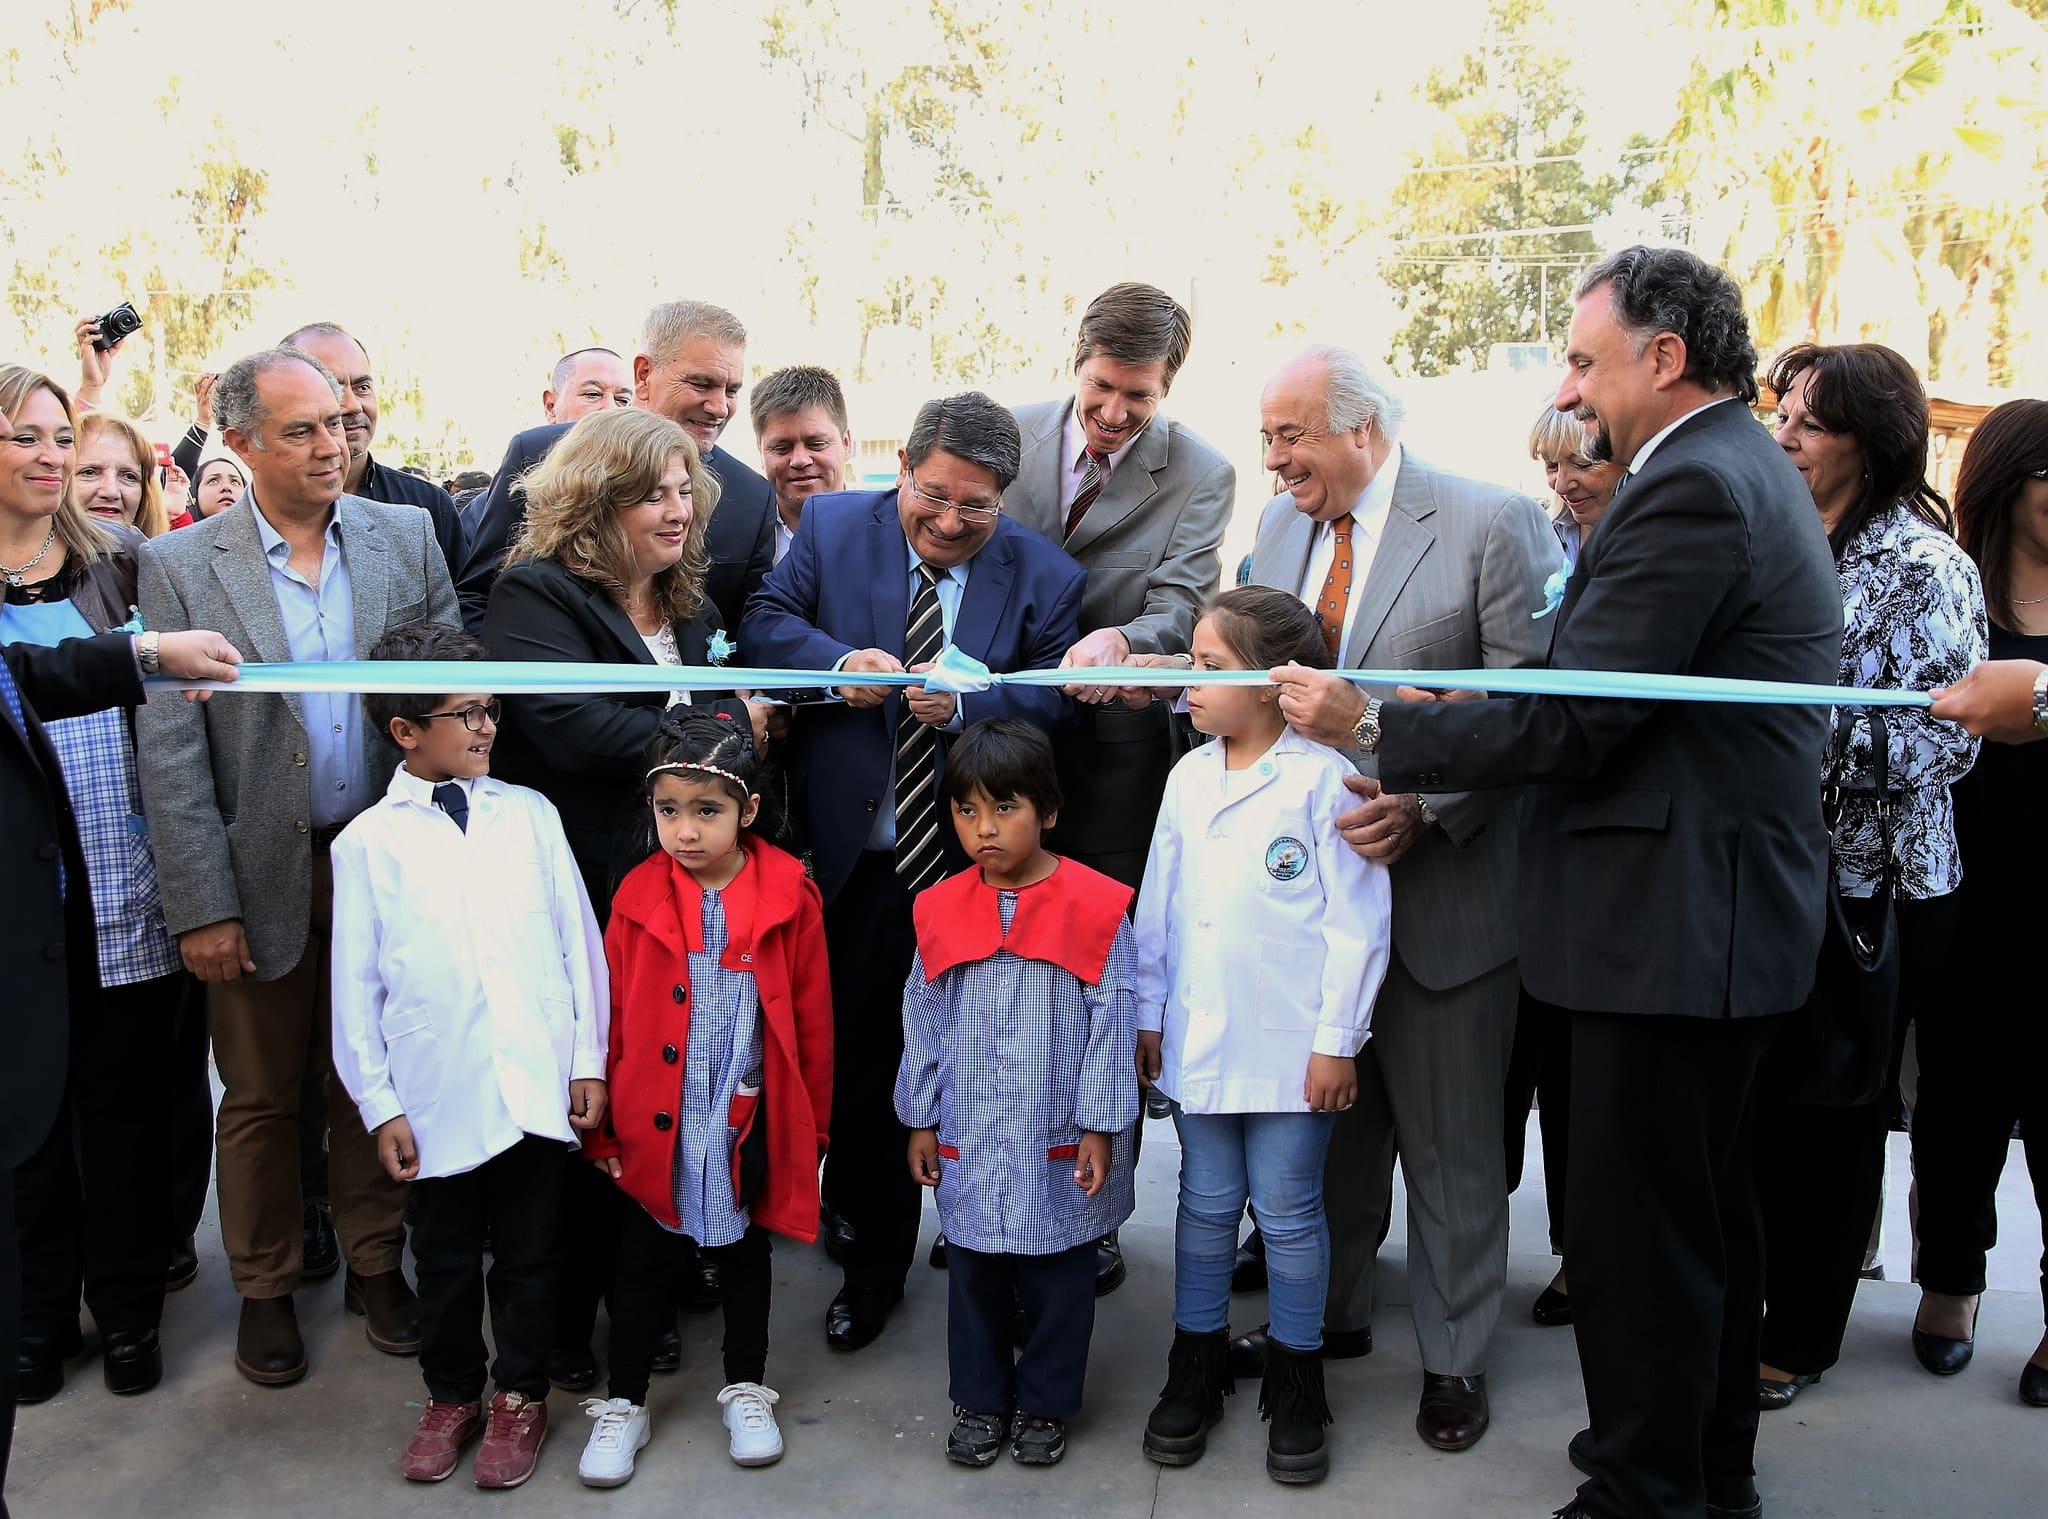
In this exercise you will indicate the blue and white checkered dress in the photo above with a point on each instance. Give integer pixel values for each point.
(724, 1050)
(1012, 1060)
(98, 757)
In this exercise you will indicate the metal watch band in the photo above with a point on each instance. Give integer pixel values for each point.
(2041, 701)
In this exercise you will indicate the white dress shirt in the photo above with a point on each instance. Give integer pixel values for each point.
(1075, 442)
(320, 623)
(785, 535)
(1369, 521)
(1262, 938)
(469, 975)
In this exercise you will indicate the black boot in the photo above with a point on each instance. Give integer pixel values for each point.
(1197, 1380)
(1291, 1400)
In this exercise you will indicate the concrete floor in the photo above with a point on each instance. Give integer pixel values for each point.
(867, 1432)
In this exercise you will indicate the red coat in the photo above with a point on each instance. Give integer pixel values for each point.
(775, 924)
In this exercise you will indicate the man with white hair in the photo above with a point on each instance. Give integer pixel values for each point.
(1409, 567)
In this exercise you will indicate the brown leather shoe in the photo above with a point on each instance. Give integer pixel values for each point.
(1453, 1414)
(436, 1446)
(268, 1349)
(390, 1308)
(513, 1430)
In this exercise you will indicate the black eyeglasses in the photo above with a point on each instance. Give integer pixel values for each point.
(473, 718)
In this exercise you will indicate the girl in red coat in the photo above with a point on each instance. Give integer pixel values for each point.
(720, 1073)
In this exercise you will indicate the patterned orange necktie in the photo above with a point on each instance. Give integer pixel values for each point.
(1335, 597)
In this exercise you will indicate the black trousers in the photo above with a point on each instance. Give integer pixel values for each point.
(1663, 1244)
(190, 1136)
(1540, 1071)
(93, 1203)
(1983, 1051)
(10, 1324)
(643, 1300)
(867, 1179)
(984, 1295)
(514, 1200)
(1820, 1171)
(586, 1254)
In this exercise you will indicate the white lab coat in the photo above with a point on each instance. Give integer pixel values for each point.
(469, 975)
(1262, 937)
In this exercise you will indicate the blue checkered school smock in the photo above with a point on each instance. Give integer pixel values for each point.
(724, 1050)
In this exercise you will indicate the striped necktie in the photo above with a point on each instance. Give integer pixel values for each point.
(920, 857)
(1334, 600)
(1092, 477)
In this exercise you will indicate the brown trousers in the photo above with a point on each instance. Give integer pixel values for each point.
(266, 1036)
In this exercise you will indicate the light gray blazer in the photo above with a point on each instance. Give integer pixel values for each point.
(1149, 542)
(1460, 568)
(225, 783)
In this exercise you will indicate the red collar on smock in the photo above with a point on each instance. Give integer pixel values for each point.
(1069, 919)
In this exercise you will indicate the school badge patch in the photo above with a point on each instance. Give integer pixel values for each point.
(1286, 858)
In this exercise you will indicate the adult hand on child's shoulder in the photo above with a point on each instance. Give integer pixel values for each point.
(1091, 1163)
(397, 1149)
(924, 1156)
(586, 1103)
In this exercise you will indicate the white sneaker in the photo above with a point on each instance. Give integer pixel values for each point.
(621, 1430)
(750, 1415)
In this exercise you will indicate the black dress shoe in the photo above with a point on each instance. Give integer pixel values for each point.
(857, 1314)
(700, 1290)
(1347, 1344)
(1773, 1394)
(1249, 1274)
(131, 1361)
(937, 1259)
(268, 1349)
(1109, 1265)
(572, 1370)
(1551, 1308)
(2034, 1385)
(39, 1367)
(836, 1235)
(182, 1265)
(1741, 1503)
(390, 1310)
(1944, 1357)
(668, 1352)
(1453, 1413)
(319, 1250)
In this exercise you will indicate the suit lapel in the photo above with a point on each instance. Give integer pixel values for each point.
(1134, 483)
(369, 571)
(614, 617)
(1404, 538)
(889, 574)
(1038, 475)
(244, 575)
(1292, 545)
(990, 574)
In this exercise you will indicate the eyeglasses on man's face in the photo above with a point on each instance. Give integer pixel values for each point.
(473, 717)
(970, 511)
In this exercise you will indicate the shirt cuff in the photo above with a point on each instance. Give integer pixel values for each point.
(587, 1067)
(1151, 1020)
(1342, 1042)
(379, 1108)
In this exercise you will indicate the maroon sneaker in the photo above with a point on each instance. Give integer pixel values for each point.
(436, 1445)
(513, 1431)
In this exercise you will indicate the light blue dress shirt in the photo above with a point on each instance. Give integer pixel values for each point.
(320, 623)
(952, 585)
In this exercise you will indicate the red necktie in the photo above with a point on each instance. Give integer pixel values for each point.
(1092, 476)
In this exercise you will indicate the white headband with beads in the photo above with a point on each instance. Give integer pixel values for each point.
(693, 765)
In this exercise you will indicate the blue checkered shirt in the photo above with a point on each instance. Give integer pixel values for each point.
(1011, 1060)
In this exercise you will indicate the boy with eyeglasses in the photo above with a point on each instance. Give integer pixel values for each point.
(470, 1013)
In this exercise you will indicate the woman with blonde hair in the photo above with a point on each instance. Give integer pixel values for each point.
(609, 568)
(115, 479)
(93, 1204)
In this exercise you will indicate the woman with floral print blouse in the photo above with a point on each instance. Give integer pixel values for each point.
(1853, 420)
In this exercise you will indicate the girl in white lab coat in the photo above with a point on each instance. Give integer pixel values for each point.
(1262, 941)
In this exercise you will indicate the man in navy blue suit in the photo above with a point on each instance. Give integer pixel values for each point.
(690, 366)
(879, 581)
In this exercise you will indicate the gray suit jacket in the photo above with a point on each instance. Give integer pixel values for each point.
(241, 847)
(1459, 571)
(1149, 542)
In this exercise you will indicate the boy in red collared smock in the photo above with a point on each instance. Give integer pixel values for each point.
(1019, 1031)
(721, 1069)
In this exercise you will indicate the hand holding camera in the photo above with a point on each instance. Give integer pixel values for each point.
(97, 338)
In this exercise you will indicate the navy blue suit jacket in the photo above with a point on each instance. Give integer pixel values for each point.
(845, 585)
(740, 540)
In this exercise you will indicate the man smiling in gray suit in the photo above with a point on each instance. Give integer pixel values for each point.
(244, 797)
(1410, 567)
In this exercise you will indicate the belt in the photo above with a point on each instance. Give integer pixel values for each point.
(325, 835)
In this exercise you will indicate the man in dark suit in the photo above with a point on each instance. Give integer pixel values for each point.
(691, 362)
(1698, 826)
(880, 581)
(349, 362)
(48, 928)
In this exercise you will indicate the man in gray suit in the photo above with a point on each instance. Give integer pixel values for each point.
(1141, 503)
(1410, 567)
(244, 797)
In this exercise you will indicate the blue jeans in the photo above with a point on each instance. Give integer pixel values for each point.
(1276, 1159)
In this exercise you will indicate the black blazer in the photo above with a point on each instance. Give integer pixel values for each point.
(1684, 840)
(46, 935)
(740, 540)
(394, 487)
(584, 753)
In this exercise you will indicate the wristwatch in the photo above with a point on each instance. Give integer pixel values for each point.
(1367, 729)
(1425, 811)
(146, 655)
(2041, 701)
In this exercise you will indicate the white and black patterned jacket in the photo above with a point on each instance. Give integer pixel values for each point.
(1913, 611)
